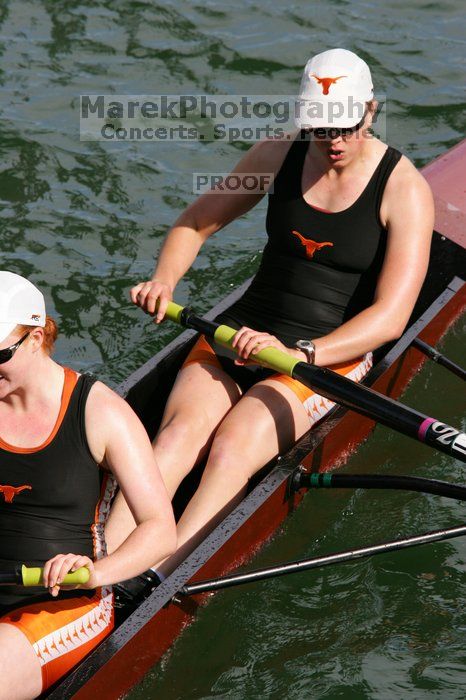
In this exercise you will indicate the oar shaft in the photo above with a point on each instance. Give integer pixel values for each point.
(318, 562)
(359, 398)
(440, 359)
(339, 389)
(380, 481)
(383, 409)
(11, 576)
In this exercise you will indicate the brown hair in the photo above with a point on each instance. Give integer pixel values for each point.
(50, 333)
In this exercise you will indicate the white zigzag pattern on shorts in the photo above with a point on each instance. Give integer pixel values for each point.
(317, 406)
(76, 633)
(90, 625)
(103, 511)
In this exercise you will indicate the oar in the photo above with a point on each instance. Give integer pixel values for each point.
(306, 564)
(437, 357)
(302, 479)
(32, 576)
(337, 388)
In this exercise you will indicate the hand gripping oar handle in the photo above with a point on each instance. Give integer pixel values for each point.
(21, 575)
(32, 576)
(339, 389)
(223, 335)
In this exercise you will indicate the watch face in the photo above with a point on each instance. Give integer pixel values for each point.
(308, 347)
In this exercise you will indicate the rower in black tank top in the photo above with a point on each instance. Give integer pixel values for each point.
(51, 499)
(318, 269)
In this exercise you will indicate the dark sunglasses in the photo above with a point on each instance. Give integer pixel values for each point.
(7, 353)
(333, 132)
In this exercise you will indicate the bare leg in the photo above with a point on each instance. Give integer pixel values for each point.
(265, 422)
(201, 397)
(19, 666)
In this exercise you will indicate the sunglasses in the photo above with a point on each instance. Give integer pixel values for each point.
(7, 353)
(333, 132)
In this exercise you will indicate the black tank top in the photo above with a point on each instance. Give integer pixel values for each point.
(53, 499)
(318, 269)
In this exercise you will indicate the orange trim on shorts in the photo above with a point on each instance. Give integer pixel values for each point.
(62, 632)
(316, 406)
(71, 378)
(203, 353)
(302, 391)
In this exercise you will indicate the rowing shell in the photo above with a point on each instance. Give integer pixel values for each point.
(139, 642)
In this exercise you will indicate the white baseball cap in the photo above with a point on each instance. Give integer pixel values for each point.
(335, 87)
(20, 303)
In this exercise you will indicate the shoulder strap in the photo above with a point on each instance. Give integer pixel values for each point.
(77, 407)
(288, 178)
(386, 166)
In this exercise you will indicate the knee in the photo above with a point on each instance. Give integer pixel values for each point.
(182, 429)
(227, 461)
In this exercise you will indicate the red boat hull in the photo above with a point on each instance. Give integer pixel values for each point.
(122, 660)
(143, 650)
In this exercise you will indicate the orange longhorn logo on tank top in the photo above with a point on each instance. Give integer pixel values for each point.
(9, 492)
(310, 245)
(327, 82)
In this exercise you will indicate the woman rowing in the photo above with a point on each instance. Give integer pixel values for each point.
(63, 437)
(349, 227)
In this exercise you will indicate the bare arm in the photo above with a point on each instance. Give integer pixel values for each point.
(207, 215)
(117, 438)
(408, 212)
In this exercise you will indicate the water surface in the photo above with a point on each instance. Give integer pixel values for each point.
(85, 222)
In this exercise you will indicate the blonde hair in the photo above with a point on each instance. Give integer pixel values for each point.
(50, 333)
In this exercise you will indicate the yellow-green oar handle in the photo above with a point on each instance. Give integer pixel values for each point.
(174, 312)
(339, 389)
(270, 357)
(32, 576)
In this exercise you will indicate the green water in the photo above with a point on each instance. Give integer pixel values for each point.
(388, 627)
(84, 220)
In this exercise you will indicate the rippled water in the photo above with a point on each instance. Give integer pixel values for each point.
(84, 220)
(392, 626)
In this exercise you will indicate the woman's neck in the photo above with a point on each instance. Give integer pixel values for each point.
(40, 384)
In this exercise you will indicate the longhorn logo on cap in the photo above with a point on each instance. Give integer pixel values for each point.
(327, 82)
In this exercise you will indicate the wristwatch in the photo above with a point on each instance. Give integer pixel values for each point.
(308, 347)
